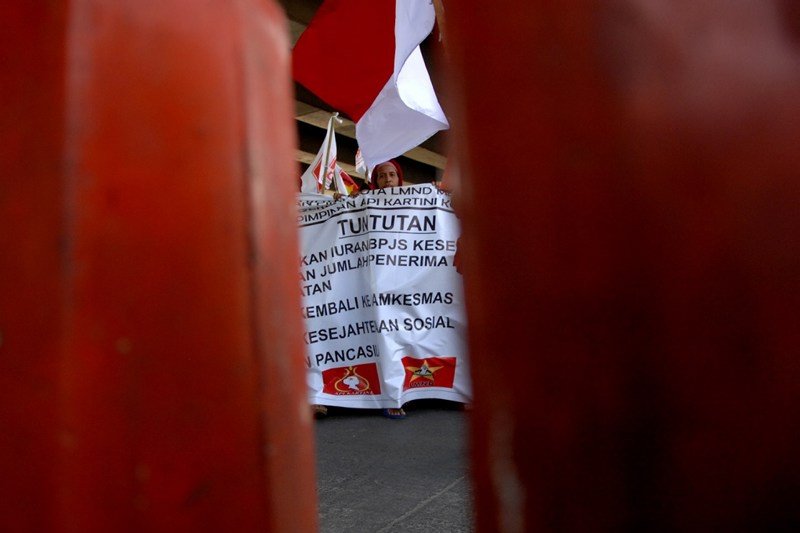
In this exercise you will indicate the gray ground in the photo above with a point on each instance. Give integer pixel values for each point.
(381, 475)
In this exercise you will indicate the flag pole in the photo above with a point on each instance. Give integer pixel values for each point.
(328, 153)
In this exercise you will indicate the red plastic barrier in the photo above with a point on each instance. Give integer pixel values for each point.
(31, 88)
(631, 237)
(150, 355)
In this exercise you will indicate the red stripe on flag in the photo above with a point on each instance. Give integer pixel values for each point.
(346, 54)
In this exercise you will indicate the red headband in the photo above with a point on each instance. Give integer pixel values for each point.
(373, 183)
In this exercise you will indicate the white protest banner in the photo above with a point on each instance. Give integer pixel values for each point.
(383, 301)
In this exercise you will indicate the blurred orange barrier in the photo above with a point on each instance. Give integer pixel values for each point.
(630, 189)
(150, 340)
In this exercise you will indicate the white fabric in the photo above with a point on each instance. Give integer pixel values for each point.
(413, 22)
(356, 274)
(406, 112)
(311, 180)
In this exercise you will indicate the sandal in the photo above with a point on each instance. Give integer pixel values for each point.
(394, 413)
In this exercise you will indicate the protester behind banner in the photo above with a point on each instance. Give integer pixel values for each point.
(388, 174)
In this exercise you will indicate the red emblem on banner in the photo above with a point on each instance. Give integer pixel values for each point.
(429, 372)
(356, 380)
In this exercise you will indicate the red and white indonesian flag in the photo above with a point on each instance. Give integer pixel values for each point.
(362, 57)
(361, 166)
(317, 180)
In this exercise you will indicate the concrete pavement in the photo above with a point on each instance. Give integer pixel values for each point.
(380, 475)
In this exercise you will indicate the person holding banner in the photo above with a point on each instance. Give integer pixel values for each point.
(390, 174)
(387, 174)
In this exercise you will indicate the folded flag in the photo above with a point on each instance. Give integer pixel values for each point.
(361, 166)
(317, 180)
(362, 57)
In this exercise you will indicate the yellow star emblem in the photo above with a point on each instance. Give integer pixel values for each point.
(424, 371)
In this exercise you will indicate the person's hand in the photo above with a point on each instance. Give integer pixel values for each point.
(438, 185)
(338, 195)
